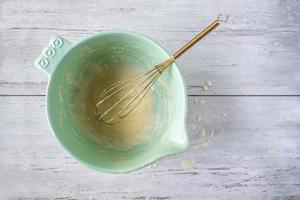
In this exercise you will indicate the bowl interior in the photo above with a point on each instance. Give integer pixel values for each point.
(157, 130)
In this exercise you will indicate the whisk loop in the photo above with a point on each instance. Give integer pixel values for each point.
(124, 96)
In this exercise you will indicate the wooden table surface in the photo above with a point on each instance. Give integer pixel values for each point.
(253, 106)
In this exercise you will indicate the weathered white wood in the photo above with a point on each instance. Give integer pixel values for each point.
(257, 52)
(253, 154)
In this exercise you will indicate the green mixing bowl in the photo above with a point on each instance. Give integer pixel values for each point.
(63, 62)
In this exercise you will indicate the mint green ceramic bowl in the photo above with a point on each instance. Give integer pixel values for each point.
(62, 60)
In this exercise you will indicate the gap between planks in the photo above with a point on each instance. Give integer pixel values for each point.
(191, 95)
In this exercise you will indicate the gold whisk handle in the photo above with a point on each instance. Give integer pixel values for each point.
(222, 18)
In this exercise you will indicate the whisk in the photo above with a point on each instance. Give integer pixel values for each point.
(121, 98)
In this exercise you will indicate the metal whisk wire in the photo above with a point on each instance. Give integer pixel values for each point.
(136, 87)
(142, 83)
(153, 77)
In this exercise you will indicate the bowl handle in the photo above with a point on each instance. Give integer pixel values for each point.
(52, 54)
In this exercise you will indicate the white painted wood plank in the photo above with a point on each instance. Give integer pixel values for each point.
(257, 52)
(253, 154)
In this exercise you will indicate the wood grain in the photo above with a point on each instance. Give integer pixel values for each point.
(253, 154)
(253, 107)
(256, 53)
